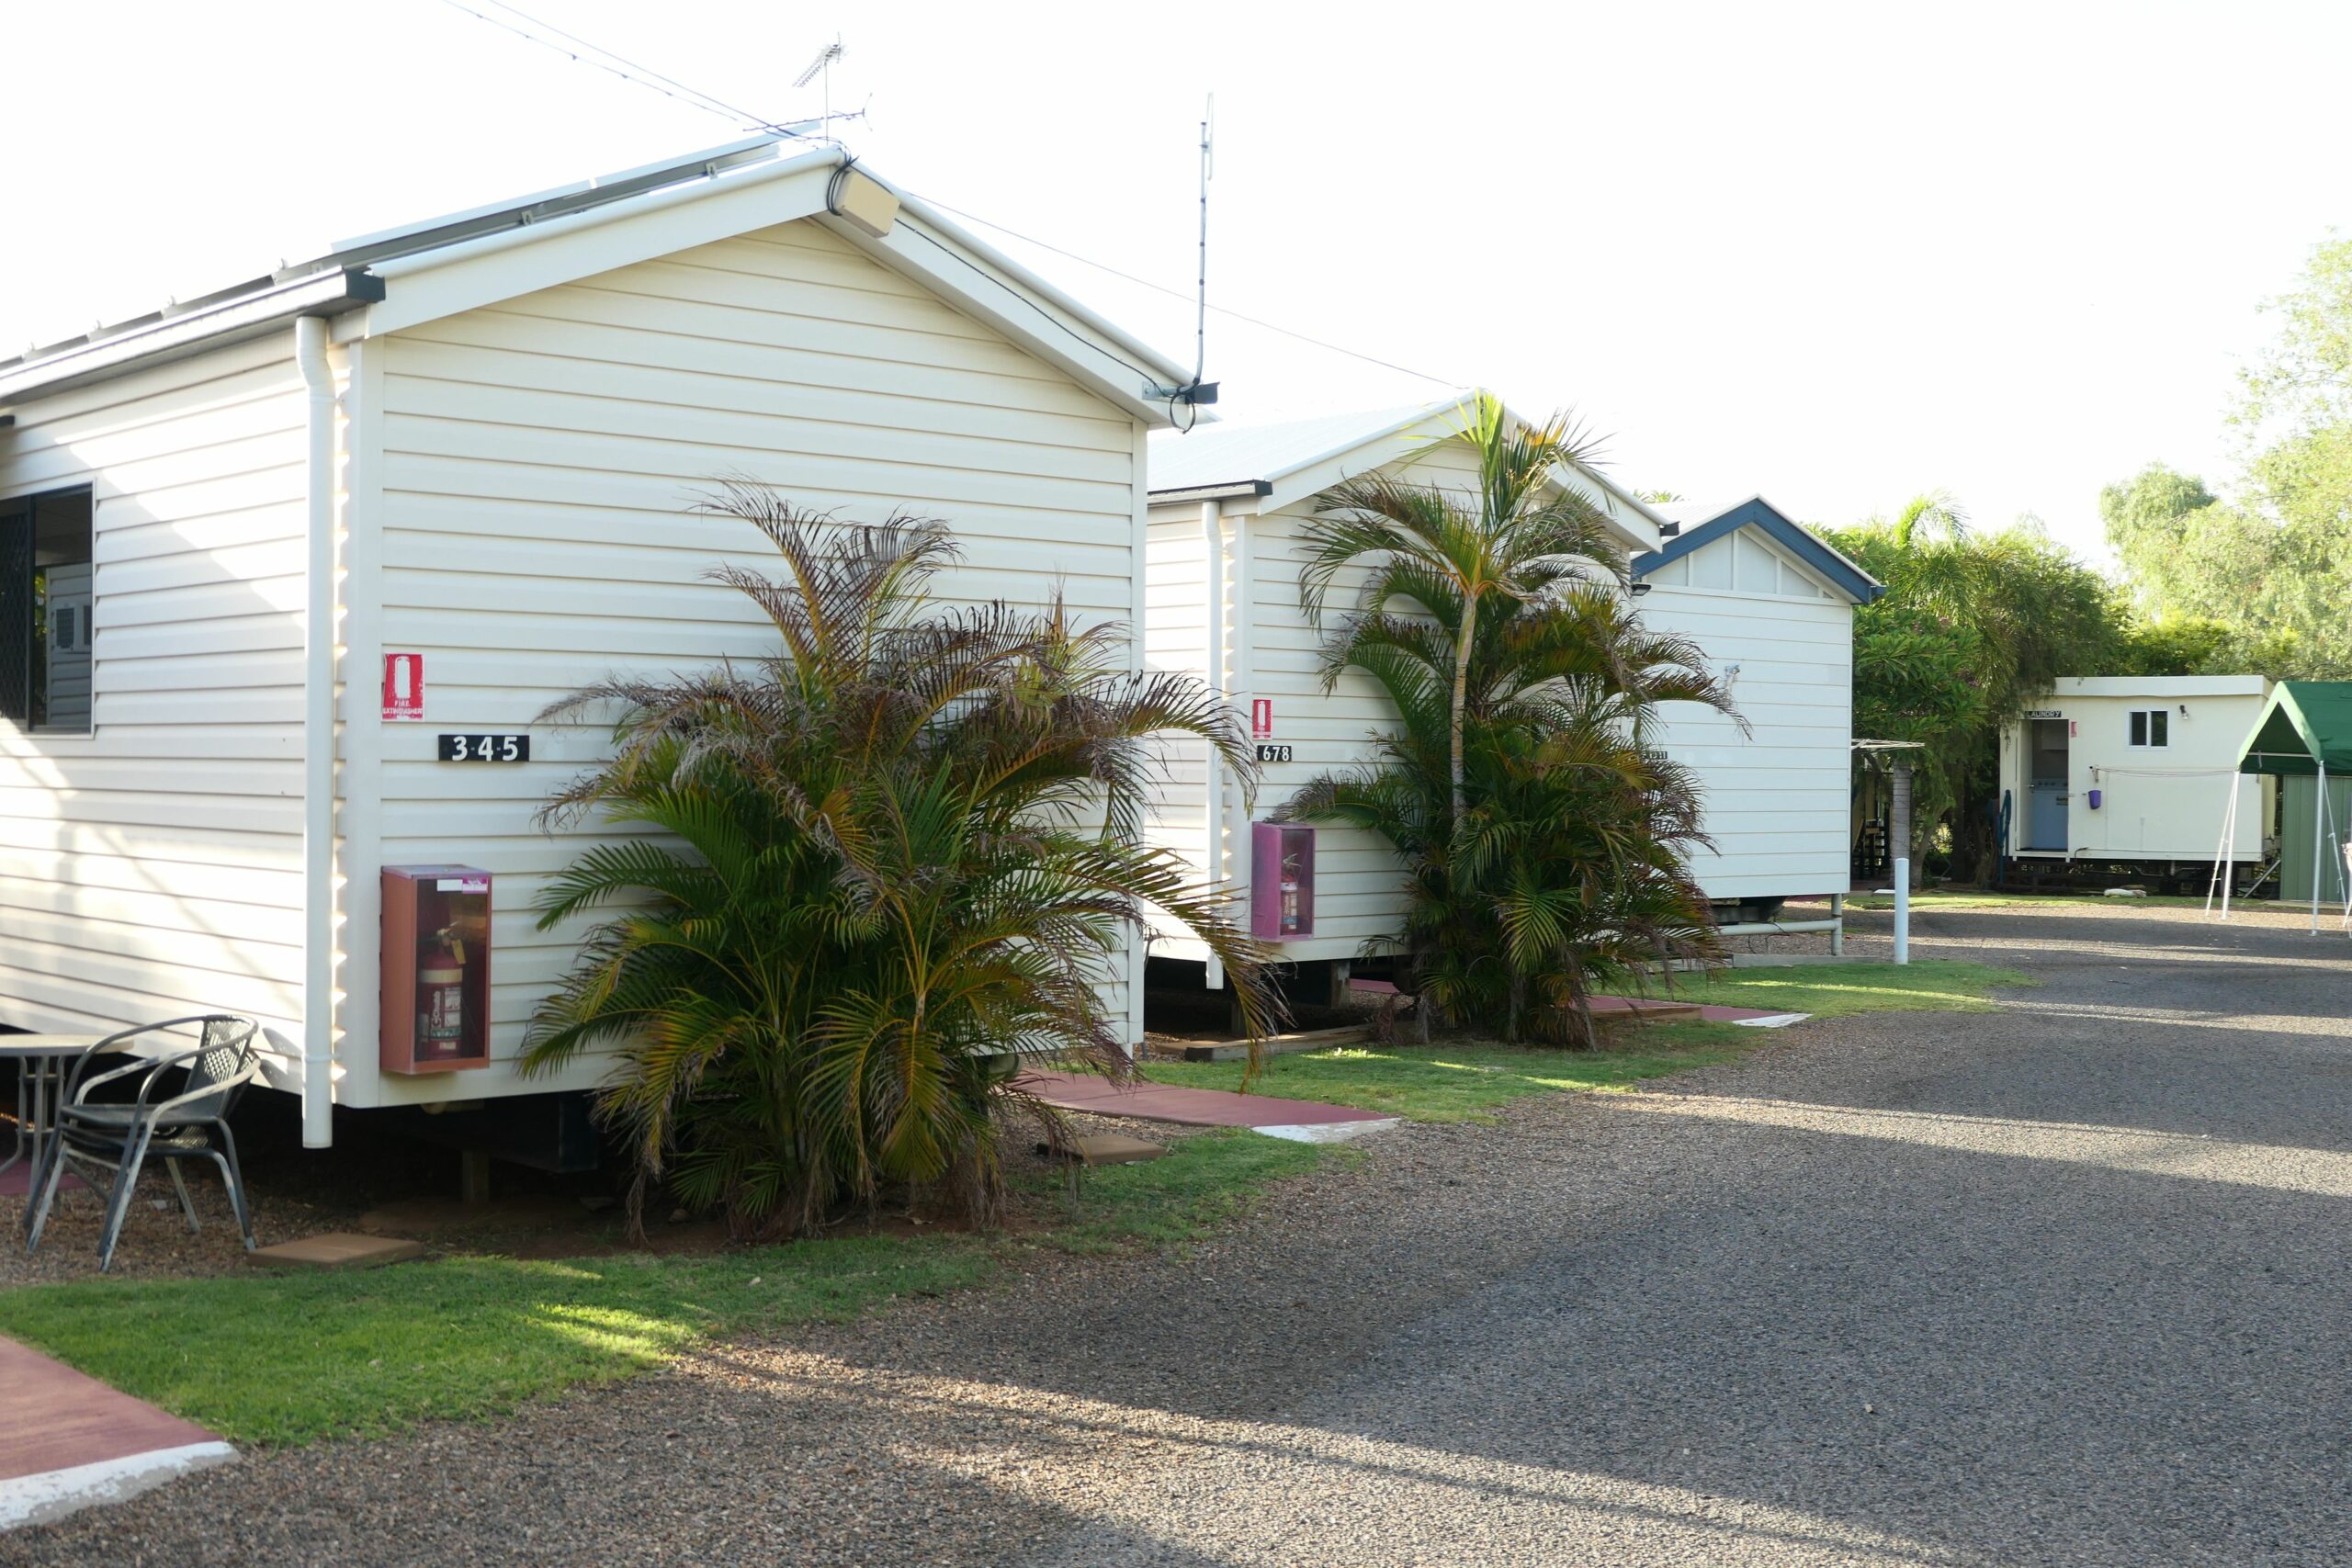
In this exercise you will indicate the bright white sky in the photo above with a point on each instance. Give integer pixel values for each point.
(1838, 254)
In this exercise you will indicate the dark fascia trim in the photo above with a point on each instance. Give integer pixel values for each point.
(1230, 490)
(167, 337)
(1843, 574)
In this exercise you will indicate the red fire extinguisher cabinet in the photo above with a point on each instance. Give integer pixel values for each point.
(436, 968)
(1282, 881)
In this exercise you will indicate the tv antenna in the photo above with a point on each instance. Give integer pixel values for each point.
(1208, 171)
(822, 66)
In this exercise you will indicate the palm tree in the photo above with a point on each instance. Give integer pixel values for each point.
(1544, 847)
(1566, 871)
(880, 866)
(1519, 533)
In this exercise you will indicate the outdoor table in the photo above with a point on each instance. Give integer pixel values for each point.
(40, 1079)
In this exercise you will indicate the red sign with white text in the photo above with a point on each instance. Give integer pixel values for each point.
(404, 686)
(1262, 717)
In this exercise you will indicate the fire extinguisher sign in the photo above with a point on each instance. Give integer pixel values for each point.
(403, 686)
(1262, 718)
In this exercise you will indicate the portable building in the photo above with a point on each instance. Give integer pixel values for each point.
(1772, 607)
(286, 571)
(1227, 504)
(2133, 775)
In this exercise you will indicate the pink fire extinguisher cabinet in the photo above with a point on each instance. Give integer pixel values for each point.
(435, 1003)
(1282, 881)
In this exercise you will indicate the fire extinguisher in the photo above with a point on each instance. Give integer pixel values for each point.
(441, 999)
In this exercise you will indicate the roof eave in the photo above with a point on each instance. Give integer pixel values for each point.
(176, 336)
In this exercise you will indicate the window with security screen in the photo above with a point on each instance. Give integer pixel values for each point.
(45, 642)
(2151, 728)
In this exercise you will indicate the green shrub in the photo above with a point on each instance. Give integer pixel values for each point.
(885, 857)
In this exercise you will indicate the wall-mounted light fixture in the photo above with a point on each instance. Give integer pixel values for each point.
(1641, 588)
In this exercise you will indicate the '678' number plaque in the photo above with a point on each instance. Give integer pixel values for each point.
(485, 747)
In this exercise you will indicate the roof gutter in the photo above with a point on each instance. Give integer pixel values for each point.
(171, 335)
(1174, 374)
(1236, 490)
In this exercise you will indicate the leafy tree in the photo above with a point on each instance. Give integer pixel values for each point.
(1517, 534)
(1544, 849)
(1973, 628)
(2276, 563)
(881, 858)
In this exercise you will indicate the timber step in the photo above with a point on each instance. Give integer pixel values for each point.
(1109, 1148)
(336, 1249)
(1274, 1045)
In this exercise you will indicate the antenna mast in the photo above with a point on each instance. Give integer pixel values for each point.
(822, 66)
(1208, 169)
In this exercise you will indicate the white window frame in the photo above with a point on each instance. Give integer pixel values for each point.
(2151, 717)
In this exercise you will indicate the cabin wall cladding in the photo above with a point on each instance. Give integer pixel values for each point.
(1776, 798)
(153, 867)
(539, 462)
(1359, 880)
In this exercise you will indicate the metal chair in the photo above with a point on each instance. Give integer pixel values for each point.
(118, 1136)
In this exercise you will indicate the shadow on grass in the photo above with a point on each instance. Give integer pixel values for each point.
(289, 1358)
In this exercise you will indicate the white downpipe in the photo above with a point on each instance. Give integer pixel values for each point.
(318, 740)
(1213, 780)
(2319, 815)
(1242, 620)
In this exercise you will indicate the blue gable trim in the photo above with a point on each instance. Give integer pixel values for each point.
(1841, 573)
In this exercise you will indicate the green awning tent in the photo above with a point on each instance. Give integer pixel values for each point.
(2305, 733)
(2305, 728)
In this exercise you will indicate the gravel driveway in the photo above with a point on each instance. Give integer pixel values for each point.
(2067, 1284)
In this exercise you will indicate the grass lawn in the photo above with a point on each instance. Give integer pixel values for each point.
(1978, 898)
(1469, 1081)
(288, 1358)
(1838, 990)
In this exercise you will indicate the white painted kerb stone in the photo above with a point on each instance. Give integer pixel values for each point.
(52, 1494)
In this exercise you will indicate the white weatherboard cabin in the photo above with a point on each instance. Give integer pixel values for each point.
(1226, 505)
(1772, 608)
(279, 566)
(2132, 776)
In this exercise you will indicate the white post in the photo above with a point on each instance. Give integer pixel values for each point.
(2225, 852)
(1899, 840)
(1837, 913)
(2319, 815)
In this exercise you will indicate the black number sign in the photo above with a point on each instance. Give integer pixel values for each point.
(1272, 753)
(485, 747)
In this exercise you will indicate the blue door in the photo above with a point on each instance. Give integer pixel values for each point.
(2046, 776)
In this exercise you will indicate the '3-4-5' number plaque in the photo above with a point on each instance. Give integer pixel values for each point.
(485, 747)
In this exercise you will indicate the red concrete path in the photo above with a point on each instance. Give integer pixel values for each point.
(69, 1439)
(1189, 1107)
(18, 1179)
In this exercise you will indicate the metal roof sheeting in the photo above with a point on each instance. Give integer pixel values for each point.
(1757, 512)
(1221, 454)
(2304, 727)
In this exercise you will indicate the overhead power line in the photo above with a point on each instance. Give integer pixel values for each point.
(619, 65)
(669, 87)
(1180, 294)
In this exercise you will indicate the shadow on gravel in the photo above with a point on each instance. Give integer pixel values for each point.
(2004, 1301)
